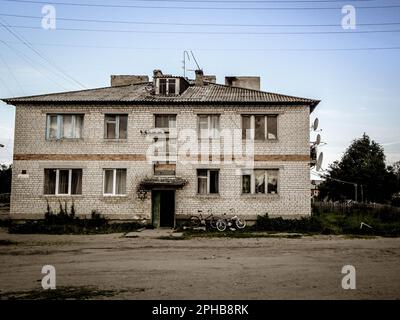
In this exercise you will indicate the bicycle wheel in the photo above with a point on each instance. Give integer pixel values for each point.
(194, 221)
(240, 223)
(213, 223)
(221, 225)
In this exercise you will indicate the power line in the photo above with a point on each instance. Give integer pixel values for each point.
(196, 24)
(211, 33)
(60, 70)
(32, 63)
(215, 49)
(12, 74)
(251, 1)
(126, 6)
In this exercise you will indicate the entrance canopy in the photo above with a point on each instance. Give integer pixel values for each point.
(166, 182)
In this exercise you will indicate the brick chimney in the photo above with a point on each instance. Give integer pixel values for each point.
(199, 81)
(125, 80)
(247, 82)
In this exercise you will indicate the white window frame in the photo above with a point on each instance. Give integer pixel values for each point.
(167, 86)
(57, 193)
(208, 180)
(117, 123)
(209, 131)
(113, 194)
(60, 124)
(253, 181)
(253, 126)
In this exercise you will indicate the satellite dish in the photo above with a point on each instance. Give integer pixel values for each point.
(319, 161)
(315, 124)
(318, 139)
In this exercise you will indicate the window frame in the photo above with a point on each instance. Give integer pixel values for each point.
(57, 187)
(209, 122)
(253, 181)
(167, 86)
(117, 122)
(253, 130)
(208, 181)
(60, 125)
(114, 194)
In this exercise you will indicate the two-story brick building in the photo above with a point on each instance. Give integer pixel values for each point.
(161, 150)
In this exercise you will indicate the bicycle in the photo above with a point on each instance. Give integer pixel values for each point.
(233, 222)
(197, 221)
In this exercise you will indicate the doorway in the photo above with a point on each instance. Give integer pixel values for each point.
(163, 208)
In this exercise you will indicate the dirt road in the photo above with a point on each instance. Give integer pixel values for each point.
(114, 267)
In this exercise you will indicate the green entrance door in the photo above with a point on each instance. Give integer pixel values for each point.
(163, 208)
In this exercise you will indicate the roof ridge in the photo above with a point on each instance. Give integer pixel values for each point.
(75, 91)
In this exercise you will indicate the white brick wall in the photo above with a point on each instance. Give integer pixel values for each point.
(28, 201)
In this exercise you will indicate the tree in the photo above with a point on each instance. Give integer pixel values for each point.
(5, 178)
(363, 163)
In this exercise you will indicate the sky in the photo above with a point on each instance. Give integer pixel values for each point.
(297, 48)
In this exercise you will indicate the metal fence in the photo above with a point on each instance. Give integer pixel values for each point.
(353, 207)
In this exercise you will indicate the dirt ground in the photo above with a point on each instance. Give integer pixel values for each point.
(114, 267)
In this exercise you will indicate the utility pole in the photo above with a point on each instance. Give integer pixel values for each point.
(353, 183)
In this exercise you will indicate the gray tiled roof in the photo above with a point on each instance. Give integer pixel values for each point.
(142, 93)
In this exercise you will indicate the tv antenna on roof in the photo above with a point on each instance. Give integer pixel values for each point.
(194, 58)
(185, 55)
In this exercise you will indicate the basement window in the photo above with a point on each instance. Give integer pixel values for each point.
(64, 126)
(259, 127)
(207, 181)
(260, 181)
(115, 126)
(114, 182)
(62, 182)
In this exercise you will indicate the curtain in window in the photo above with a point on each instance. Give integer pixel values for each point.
(120, 187)
(63, 180)
(272, 176)
(78, 126)
(52, 130)
(66, 128)
(172, 121)
(246, 126)
(203, 127)
(246, 186)
(272, 126)
(108, 181)
(110, 127)
(214, 130)
(76, 183)
(202, 181)
(123, 126)
(50, 181)
(259, 176)
(259, 127)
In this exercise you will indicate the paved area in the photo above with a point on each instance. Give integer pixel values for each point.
(115, 267)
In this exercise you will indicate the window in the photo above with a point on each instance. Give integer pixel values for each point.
(167, 86)
(208, 126)
(60, 126)
(165, 121)
(260, 181)
(260, 127)
(207, 181)
(114, 182)
(116, 126)
(62, 181)
(168, 140)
